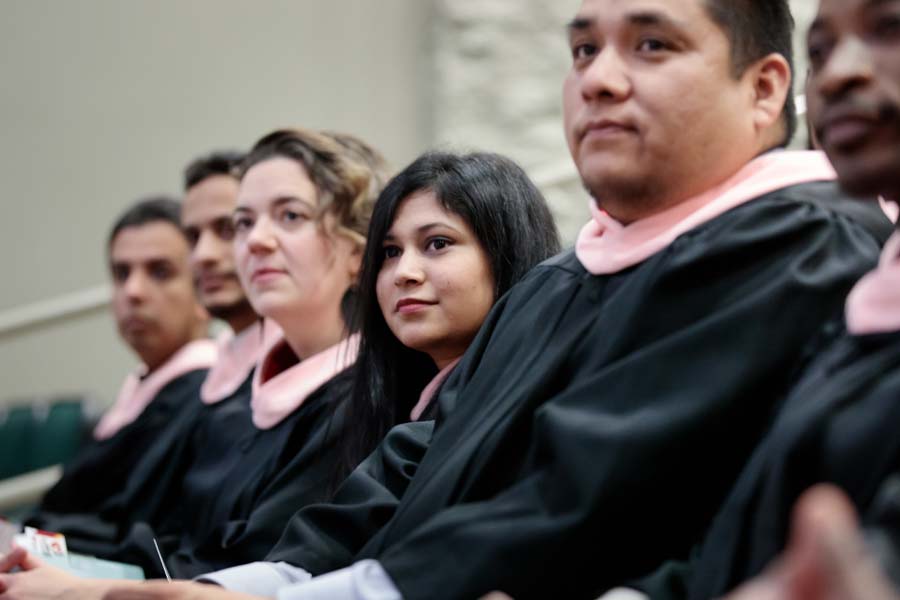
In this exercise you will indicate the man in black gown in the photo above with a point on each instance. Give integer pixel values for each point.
(839, 426)
(159, 317)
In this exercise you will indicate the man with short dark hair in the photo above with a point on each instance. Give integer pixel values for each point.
(183, 455)
(158, 316)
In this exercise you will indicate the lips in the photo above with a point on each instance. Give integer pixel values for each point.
(843, 128)
(605, 128)
(407, 306)
(135, 324)
(265, 274)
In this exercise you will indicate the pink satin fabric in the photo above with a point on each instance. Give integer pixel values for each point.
(140, 389)
(282, 394)
(605, 246)
(873, 305)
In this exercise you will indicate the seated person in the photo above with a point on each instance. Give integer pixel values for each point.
(159, 317)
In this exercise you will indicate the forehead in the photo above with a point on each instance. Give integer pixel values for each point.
(420, 209)
(148, 243)
(686, 14)
(274, 179)
(211, 199)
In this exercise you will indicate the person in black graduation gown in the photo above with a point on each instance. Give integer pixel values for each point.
(158, 316)
(572, 449)
(839, 426)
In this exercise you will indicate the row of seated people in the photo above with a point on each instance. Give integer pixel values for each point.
(440, 406)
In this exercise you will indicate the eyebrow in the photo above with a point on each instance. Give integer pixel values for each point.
(640, 18)
(653, 18)
(579, 24)
(425, 228)
(279, 201)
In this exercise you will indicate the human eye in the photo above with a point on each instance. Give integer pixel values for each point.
(886, 26)
(241, 223)
(438, 243)
(817, 50)
(120, 273)
(652, 45)
(161, 271)
(390, 252)
(583, 51)
(193, 235)
(224, 229)
(292, 215)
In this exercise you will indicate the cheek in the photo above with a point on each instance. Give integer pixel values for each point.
(571, 105)
(240, 256)
(383, 289)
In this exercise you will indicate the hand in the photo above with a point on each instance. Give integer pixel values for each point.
(41, 582)
(181, 590)
(20, 558)
(496, 596)
(826, 558)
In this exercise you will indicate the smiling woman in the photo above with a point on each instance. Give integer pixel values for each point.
(450, 234)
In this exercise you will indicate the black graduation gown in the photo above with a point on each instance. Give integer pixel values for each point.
(596, 422)
(235, 508)
(102, 469)
(155, 492)
(326, 537)
(840, 426)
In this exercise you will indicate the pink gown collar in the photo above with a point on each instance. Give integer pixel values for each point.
(430, 389)
(605, 246)
(237, 357)
(873, 305)
(139, 389)
(283, 393)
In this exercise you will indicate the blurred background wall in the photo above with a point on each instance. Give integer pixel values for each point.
(105, 101)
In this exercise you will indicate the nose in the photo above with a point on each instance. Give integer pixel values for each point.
(135, 287)
(849, 65)
(408, 271)
(208, 249)
(261, 237)
(606, 77)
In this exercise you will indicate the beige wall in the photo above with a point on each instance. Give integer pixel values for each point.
(103, 101)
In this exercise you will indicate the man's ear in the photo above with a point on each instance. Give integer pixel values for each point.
(771, 79)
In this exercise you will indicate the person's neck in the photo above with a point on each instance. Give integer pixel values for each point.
(154, 362)
(242, 321)
(312, 334)
(630, 210)
(442, 362)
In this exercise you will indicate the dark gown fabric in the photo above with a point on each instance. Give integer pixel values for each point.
(235, 506)
(839, 425)
(154, 495)
(103, 469)
(327, 536)
(597, 422)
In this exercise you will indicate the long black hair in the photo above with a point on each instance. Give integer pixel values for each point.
(514, 226)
